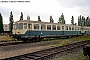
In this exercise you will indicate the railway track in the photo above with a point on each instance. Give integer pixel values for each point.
(48, 53)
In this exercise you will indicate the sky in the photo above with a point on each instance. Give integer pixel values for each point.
(45, 8)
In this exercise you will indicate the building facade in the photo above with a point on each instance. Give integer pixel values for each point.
(6, 28)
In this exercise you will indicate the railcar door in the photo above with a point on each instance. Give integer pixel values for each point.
(29, 29)
(82, 30)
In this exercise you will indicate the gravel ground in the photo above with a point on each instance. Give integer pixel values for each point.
(76, 54)
(14, 50)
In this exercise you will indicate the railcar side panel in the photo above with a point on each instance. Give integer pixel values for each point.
(46, 33)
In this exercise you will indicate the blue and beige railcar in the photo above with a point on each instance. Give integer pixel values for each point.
(35, 30)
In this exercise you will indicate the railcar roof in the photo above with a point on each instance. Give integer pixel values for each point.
(41, 22)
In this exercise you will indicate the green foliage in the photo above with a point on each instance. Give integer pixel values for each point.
(28, 17)
(51, 19)
(72, 20)
(73, 57)
(1, 23)
(11, 22)
(5, 38)
(21, 17)
(79, 21)
(88, 21)
(39, 18)
(83, 22)
(63, 42)
(61, 19)
(71, 40)
(81, 38)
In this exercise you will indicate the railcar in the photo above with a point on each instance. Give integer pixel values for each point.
(26, 30)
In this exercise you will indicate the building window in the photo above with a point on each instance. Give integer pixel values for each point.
(36, 26)
(48, 27)
(43, 27)
(66, 28)
(53, 27)
(58, 27)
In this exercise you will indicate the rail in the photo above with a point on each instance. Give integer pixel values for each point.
(48, 53)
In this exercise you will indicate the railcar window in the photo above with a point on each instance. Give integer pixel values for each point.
(36, 26)
(43, 27)
(88, 29)
(53, 27)
(69, 27)
(14, 26)
(78, 28)
(75, 28)
(17, 25)
(25, 25)
(72, 28)
(30, 26)
(58, 27)
(62, 27)
(20, 26)
(48, 27)
(66, 28)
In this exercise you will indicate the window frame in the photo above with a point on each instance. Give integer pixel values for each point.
(25, 25)
(59, 27)
(43, 25)
(53, 27)
(37, 26)
(48, 27)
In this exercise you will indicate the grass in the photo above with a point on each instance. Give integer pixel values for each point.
(71, 40)
(73, 57)
(5, 38)
(81, 38)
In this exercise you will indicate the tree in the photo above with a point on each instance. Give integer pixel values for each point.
(1, 23)
(11, 22)
(83, 21)
(79, 21)
(39, 18)
(61, 19)
(72, 20)
(51, 19)
(75, 23)
(87, 21)
(28, 17)
(21, 17)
